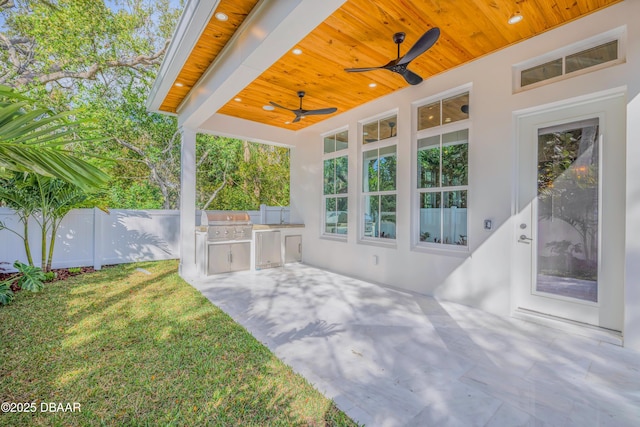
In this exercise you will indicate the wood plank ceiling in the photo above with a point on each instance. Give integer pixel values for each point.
(359, 34)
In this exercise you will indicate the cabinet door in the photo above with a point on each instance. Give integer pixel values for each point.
(218, 259)
(268, 249)
(292, 249)
(240, 256)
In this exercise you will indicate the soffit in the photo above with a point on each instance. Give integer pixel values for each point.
(359, 34)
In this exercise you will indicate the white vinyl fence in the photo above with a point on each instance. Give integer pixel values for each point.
(91, 237)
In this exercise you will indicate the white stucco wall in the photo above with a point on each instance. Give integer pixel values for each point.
(484, 276)
(481, 277)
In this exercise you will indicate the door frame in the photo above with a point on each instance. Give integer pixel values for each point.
(608, 312)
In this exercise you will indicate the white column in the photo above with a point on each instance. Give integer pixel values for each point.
(187, 203)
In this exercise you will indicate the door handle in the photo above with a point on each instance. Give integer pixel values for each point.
(523, 238)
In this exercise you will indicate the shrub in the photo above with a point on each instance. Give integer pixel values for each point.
(75, 270)
(28, 278)
(50, 276)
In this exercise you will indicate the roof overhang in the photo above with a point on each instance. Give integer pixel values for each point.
(269, 31)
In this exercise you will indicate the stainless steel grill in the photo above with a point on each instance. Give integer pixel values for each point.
(226, 246)
(225, 226)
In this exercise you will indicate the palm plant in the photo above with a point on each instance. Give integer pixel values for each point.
(32, 139)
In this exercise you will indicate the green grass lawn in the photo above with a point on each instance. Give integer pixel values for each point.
(139, 349)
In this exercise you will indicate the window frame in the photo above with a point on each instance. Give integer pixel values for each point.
(617, 34)
(344, 152)
(364, 147)
(440, 131)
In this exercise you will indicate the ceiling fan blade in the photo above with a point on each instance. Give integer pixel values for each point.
(359, 70)
(280, 106)
(423, 44)
(297, 119)
(411, 77)
(320, 111)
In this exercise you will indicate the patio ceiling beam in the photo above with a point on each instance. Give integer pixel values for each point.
(272, 29)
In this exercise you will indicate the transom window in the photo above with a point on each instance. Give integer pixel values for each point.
(379, 178)
(335, 188)
(443, 172)
(589, 55)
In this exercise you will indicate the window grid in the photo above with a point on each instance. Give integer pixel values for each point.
(379, 193)
(442, 197)
(335, 198)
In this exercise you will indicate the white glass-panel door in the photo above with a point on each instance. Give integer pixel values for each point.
(569, 236)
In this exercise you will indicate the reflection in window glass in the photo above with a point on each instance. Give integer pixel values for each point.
(454, 217)
(329, 144)
(341, 174)
(455, 158)
(430, 217)
(455, 108)
(331, 219)
(370, 132)
(336, 215)
(388, 127)
(541, 72)
(388, 216)
(372, 216)
(370, 171)
(387, 169)
(429, 116)
(591, 57)
(443, 173)
(335, 182)
(342, 141)
(429, 162)
(329, 176)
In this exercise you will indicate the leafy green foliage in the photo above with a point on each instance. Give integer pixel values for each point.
(74, 270)
(103, 57)
(32, 137)
(47, 201)
(30, 278)
(6, 294)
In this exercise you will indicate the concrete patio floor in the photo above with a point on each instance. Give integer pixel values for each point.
(389, 358)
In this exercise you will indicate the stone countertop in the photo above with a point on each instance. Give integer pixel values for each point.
(258, 227)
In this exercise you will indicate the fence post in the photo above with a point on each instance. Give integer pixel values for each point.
(97, 239)
(263, 214)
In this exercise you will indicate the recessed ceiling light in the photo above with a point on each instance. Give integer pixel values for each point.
(515, 18)
(286, 123)
(430, 117)
(447, 120)
(237, 99)
(297, 51)
(268, 107)
(372, 85)
(220, 16)
(178, 84)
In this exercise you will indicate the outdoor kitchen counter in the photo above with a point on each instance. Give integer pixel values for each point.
(258, 227)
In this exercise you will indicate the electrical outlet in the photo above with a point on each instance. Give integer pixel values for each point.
(488, 224)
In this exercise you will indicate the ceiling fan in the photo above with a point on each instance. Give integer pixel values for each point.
(400, 64)
(300, 112)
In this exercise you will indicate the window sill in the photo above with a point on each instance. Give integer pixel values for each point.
(334, 237)
(453, 251)
(381, 243)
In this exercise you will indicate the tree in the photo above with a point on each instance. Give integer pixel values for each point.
(65, 42)
(17, 194)
(47, 201)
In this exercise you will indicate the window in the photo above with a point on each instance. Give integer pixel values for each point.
(443, 171)
(589, 55)
(336, 171)
(379, 178)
